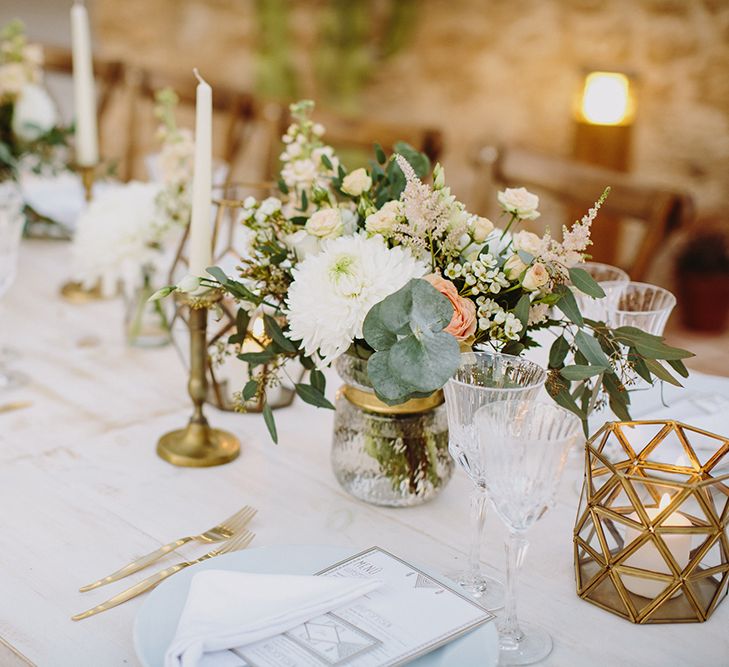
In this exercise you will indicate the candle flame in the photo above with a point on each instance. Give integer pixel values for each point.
(665, 500)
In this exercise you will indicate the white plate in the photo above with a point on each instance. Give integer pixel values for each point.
(156, 621)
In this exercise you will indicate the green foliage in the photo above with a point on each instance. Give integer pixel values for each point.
(413, 356)
(584, 282)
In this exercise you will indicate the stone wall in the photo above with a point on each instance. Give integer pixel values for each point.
(490, 70)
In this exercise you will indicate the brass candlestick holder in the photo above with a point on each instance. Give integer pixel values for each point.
(73, 291)
(88, 178)
(650, 539)
(225, 375)
(198, 445)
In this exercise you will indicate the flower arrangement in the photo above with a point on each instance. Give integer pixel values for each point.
(30, 133)
(381, 264)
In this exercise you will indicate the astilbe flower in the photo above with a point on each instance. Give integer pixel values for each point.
(560, 257)
(435, 221)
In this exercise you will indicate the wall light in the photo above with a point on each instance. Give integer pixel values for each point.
(607, 99)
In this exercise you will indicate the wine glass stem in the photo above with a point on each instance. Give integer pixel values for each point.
(516, 547)
(478, 515)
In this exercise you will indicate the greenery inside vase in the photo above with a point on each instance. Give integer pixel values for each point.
(387, 457)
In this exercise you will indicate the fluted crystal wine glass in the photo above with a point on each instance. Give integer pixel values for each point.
(482, 378)
(612, 280)
(644, 306)
(522, 450)
(11, 228)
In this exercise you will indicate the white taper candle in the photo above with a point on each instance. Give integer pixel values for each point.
(200, 223)
(84, 93)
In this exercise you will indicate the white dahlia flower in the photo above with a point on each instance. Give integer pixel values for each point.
(334, 290)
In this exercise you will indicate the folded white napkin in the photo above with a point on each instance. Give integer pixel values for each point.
(230, 609)
(59, 197)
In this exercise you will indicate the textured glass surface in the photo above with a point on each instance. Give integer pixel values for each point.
(482, 378)
(390, 460)
(612, 280)
(644, 306)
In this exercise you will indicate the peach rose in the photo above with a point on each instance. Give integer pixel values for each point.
(463, 322)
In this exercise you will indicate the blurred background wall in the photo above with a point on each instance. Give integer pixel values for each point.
(503, 71)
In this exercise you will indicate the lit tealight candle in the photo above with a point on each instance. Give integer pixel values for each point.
(647, 557)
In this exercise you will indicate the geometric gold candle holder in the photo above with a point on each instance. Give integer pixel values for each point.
(650, 540)
(198, 445)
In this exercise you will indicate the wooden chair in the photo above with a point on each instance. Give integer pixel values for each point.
(660, 211)
(233, 113)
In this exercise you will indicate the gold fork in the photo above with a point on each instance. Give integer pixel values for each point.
(223, 531)
(234, 544)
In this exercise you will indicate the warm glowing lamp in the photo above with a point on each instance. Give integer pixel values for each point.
(606, 99)
(603, 124)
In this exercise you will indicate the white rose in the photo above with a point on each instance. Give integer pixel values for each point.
(535, 277)
(528, 242)
(481, 228)
(519, 201)
(357, 182)
(303, 243)
(384, 221)
(34, 113)
(513, 267)
(12, 79)
(326, 223)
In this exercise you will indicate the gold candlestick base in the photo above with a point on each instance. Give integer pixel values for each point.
(198, 445)
(88, 177)
(75, 292)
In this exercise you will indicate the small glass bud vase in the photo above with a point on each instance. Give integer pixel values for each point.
(147, 323)
(395, 456)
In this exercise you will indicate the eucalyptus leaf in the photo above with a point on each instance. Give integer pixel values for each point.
(639, 366)
(273, 329)
(257, 358)
(318, 380)
(270, 422)
(312, 396)
(558, 352)
(568, 305)
(589, 346)
(584, 282)
(657, 368)
(559, 391)
(577, 372)
(389, 388)
(521, 310)
(679, 367)
(380, 154)
(649, 345)
(375, 332)
(250, 390)
(425, 363)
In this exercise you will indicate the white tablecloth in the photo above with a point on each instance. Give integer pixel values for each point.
(82, 492)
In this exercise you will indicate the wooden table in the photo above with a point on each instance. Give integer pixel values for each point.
(82, 491)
